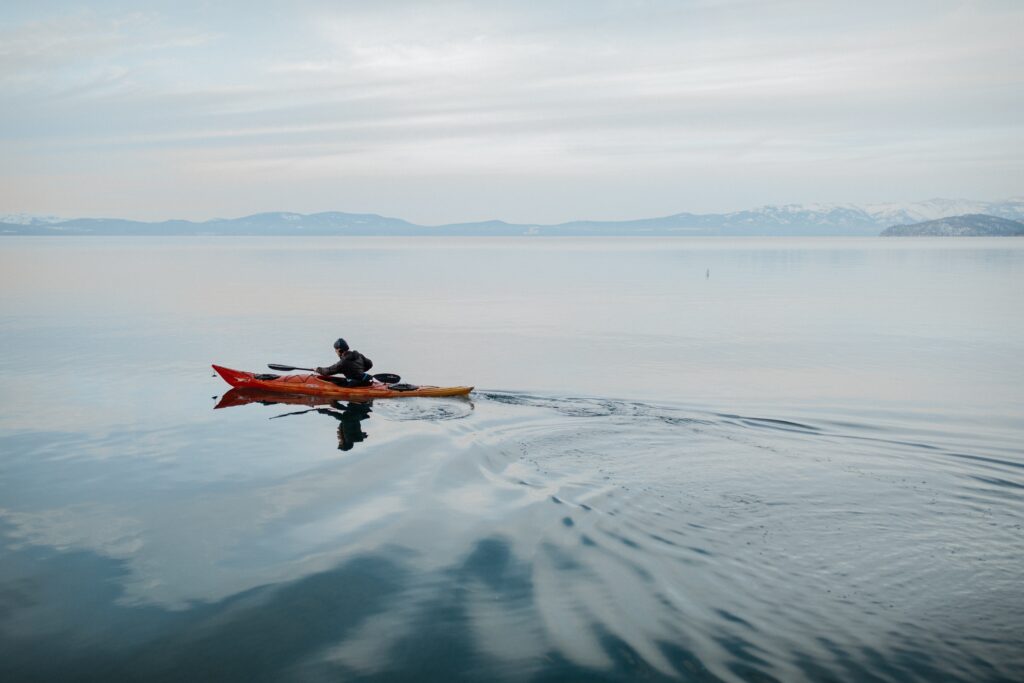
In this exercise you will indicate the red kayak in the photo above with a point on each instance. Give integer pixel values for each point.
(315, 385)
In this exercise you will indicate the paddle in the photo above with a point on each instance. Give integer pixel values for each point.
(297, 412)
(386, 377)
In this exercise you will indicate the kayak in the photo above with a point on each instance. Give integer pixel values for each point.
(316, 385)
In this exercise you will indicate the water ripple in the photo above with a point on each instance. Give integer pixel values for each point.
(517, 537)
(787, 526)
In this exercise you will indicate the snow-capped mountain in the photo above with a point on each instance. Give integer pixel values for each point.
(969, 225)
(28, 219)
(878, 215)
(787, 219)
(824, 215)
(934, 209)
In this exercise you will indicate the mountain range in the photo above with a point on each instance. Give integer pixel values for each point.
(970, 225)
(785, 220)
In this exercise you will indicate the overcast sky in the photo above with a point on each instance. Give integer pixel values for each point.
(526, 111)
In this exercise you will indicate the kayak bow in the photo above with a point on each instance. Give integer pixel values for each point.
(315, 385)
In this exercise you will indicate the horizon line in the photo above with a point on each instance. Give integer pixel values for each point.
(811, 205)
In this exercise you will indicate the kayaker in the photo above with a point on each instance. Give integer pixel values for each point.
(352, 364)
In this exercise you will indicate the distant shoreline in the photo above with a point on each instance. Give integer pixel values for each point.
(792, 220)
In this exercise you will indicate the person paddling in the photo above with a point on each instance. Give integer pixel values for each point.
(352, 364)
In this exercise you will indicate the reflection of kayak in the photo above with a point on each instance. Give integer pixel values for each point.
(315, 385)
(350, 417)
(241, 397)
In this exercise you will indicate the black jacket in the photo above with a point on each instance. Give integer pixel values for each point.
(352, 364)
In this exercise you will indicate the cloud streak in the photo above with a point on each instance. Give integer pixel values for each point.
(586, 93)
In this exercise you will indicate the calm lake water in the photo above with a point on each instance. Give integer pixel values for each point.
(686, 459)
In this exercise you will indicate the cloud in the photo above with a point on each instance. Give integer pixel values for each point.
(338, 89)
(36, 51)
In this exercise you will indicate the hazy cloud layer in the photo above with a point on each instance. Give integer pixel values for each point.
(525, 111)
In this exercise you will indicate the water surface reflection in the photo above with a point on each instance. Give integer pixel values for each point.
(532, 538)
(349, 416)
(818, 477)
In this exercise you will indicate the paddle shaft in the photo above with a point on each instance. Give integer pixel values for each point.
(386, 377)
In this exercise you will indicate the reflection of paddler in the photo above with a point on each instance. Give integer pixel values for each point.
(349, 417)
